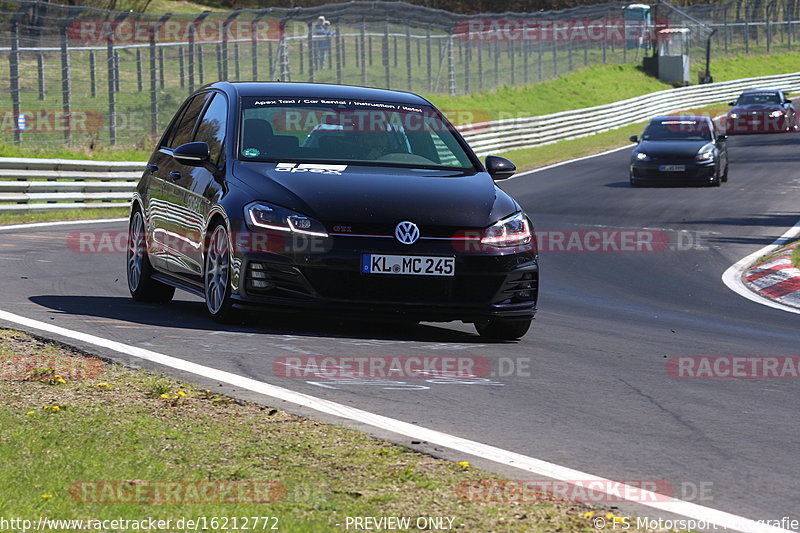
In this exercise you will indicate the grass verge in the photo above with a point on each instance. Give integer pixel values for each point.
(83, 439)
(64, 214)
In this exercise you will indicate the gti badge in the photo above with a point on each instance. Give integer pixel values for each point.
(406, 232)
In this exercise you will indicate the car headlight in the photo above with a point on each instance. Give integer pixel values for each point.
(269, 216)
(512, 231)
(776, 114)
(641, 156)
(733, 115)
(707, 155)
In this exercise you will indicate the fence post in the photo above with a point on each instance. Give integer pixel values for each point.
(254, 51)
(555, 58)
(467, 61)
(408, 57)
(337, 39)
(237, 67)
(139, 69)
(218, 49)
(385, 56)
(428, 54)
(313, 53)
(394, 44)
(302, 57)
(200, 64)
(13, 69)
(539, 66)
(111, 66)
(513, 65)
(66, 87)
(496, 46)
(116, 71)
(363, 52)
(161, 67)
(525, 55)
(451, 68)
(480, 64)
(40, 76)
(153, 86)
(92, 74)
(181, 67)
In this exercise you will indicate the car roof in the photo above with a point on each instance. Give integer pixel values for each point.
(698, 118)
(315, 90)
(761, 91)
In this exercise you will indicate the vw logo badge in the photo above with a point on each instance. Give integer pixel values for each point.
(406, 232)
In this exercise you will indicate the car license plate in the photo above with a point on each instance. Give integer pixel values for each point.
(672, 168)
(415, 265)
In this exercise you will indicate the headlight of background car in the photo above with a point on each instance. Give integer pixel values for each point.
(733, 115)
(512, 231)
(705, 155)
(268, 216)
(641, 156)
(776, 114)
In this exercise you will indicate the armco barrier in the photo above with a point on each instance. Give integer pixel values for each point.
(512, 134)
(27, 184)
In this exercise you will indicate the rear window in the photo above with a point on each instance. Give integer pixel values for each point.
(348, 131)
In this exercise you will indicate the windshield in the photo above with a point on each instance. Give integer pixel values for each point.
(348, 131)
(677, 130)
(759, 99)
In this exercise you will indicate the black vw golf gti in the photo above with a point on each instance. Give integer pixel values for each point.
(310, 197)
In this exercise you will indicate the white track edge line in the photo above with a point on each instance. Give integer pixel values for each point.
(732, 277)
(61, 223)
(567, 162)
(498, 455)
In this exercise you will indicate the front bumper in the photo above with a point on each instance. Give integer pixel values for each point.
(761, 123)
(497, 284)
(653, 171)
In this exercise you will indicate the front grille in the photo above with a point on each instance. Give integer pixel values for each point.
(520, 287)
(342, 285)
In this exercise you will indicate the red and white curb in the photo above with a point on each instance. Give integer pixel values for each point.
(777, 278)
(775, 283)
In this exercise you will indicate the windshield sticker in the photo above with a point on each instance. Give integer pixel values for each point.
(328, 102)
(315, 168)
(250, 152)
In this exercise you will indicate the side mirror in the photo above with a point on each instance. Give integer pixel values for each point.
(731, 103)
(722, 137)
(634, 138)
(787, 101)
(499, 168)
(192, 154)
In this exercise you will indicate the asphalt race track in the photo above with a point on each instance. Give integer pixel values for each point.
(597, 397)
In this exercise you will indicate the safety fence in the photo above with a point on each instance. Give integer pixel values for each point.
(30, 184)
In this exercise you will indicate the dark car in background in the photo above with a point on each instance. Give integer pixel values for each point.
(761, 111)
(311, 197)
(679, 150)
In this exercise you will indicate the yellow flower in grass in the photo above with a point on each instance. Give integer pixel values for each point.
(610, 516)
(463, 464)
(588, 515)
(181, 393)
(103, 385)
(56, 408)
(61, 380)
(31, 413)
(165, 396)
(617, 519)
(47, 496)
(45, 407)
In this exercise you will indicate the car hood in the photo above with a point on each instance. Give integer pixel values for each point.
(683, 149)
(379, 195)
(755, 107)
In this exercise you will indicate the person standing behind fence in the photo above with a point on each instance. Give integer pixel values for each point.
(326, 42)
(319, 40)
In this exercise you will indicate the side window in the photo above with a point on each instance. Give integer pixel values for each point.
(212, 127)
(183, 129)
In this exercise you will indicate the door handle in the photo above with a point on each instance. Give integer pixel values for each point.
(152, 167)
(175, 175)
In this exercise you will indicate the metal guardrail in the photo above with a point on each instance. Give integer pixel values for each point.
(512, 134)
(33, 184)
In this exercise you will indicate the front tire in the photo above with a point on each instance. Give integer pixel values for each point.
(141, 284)
(725, 174)
(216, 275)
(503, 330)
